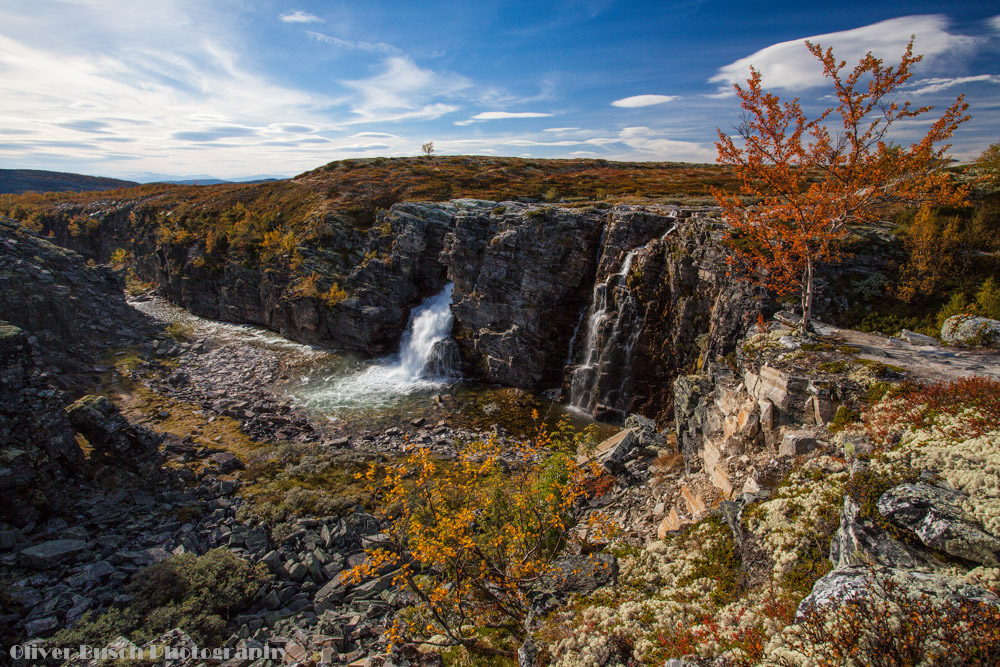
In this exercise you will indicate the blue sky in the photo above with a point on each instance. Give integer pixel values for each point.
(232, 89)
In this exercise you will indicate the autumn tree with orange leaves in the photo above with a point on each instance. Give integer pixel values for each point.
(811, 179)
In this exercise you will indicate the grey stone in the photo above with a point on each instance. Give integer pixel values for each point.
(227, 462)
(41, 626)
(50, 554)
(858, 540)
(273, 561)
(914, 338)
(935, 514)
(858, 580)
(795, 443)
(613, 452)
(297, 571)
(329, 596)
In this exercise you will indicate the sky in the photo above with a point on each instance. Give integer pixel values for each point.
(231, 89)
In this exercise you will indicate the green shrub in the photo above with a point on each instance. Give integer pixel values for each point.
(179, 331)
(843, 418)
(198, 594)
(957, 305)
(988, 300)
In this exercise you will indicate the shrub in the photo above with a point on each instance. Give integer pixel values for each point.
(120, 258)
(179, 330)
(472, 539)
(198, 594)
(843, 418)
(957, 305)
(963, 408)
(988, 300)
(888, 625)
(334, 295)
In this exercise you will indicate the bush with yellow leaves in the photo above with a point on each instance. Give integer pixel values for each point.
(471, 538)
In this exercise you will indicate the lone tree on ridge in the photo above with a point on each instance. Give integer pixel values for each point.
(811, 182)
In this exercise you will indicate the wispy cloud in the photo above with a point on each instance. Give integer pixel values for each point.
(371, 47)
(925, 86)
(789, 65)
(642, 101)
(403, 90)
(501, 115)
(649, 144)
(560, 129)
(299, 16)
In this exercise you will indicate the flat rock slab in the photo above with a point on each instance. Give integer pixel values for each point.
(49, 554)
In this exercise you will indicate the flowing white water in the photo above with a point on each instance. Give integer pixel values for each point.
(421, 365)
(611, 336)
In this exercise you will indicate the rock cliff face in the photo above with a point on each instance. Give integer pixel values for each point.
(60, 315)
(607, 304)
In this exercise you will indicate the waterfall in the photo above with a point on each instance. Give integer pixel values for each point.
(427, 359)
(600, 382)
(423, 351)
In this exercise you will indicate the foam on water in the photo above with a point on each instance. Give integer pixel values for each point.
(384, 382)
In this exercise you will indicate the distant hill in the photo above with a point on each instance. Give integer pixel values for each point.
(16, 181)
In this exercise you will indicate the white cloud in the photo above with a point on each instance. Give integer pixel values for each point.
(924, 86)
(371, 47)
(403, 90)
(561, 129)
(789, 65)
(642, 101)
(647, 144)
(112, 74)
(500, 115)
(299, 16)
(995, 23)
(381, 135)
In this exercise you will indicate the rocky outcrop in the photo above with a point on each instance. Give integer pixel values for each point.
(38, 450)
(935, 515)
(111, 435)
(61, 315)
(73, 312)
(609, 304)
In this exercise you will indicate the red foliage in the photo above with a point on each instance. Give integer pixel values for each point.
(972, 402)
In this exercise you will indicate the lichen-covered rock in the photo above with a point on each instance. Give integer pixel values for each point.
(970, 331)
(844, 583)
(859, 540)
(935, 514)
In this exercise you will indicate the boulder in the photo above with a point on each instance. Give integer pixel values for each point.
(914, 338)
(858, 580)
(970, 331)
(107, 431)
(858, 540)
(49, 554)
(795, 443)
(572, 575)
(613, 452)
(227, 462)
(935, 514)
